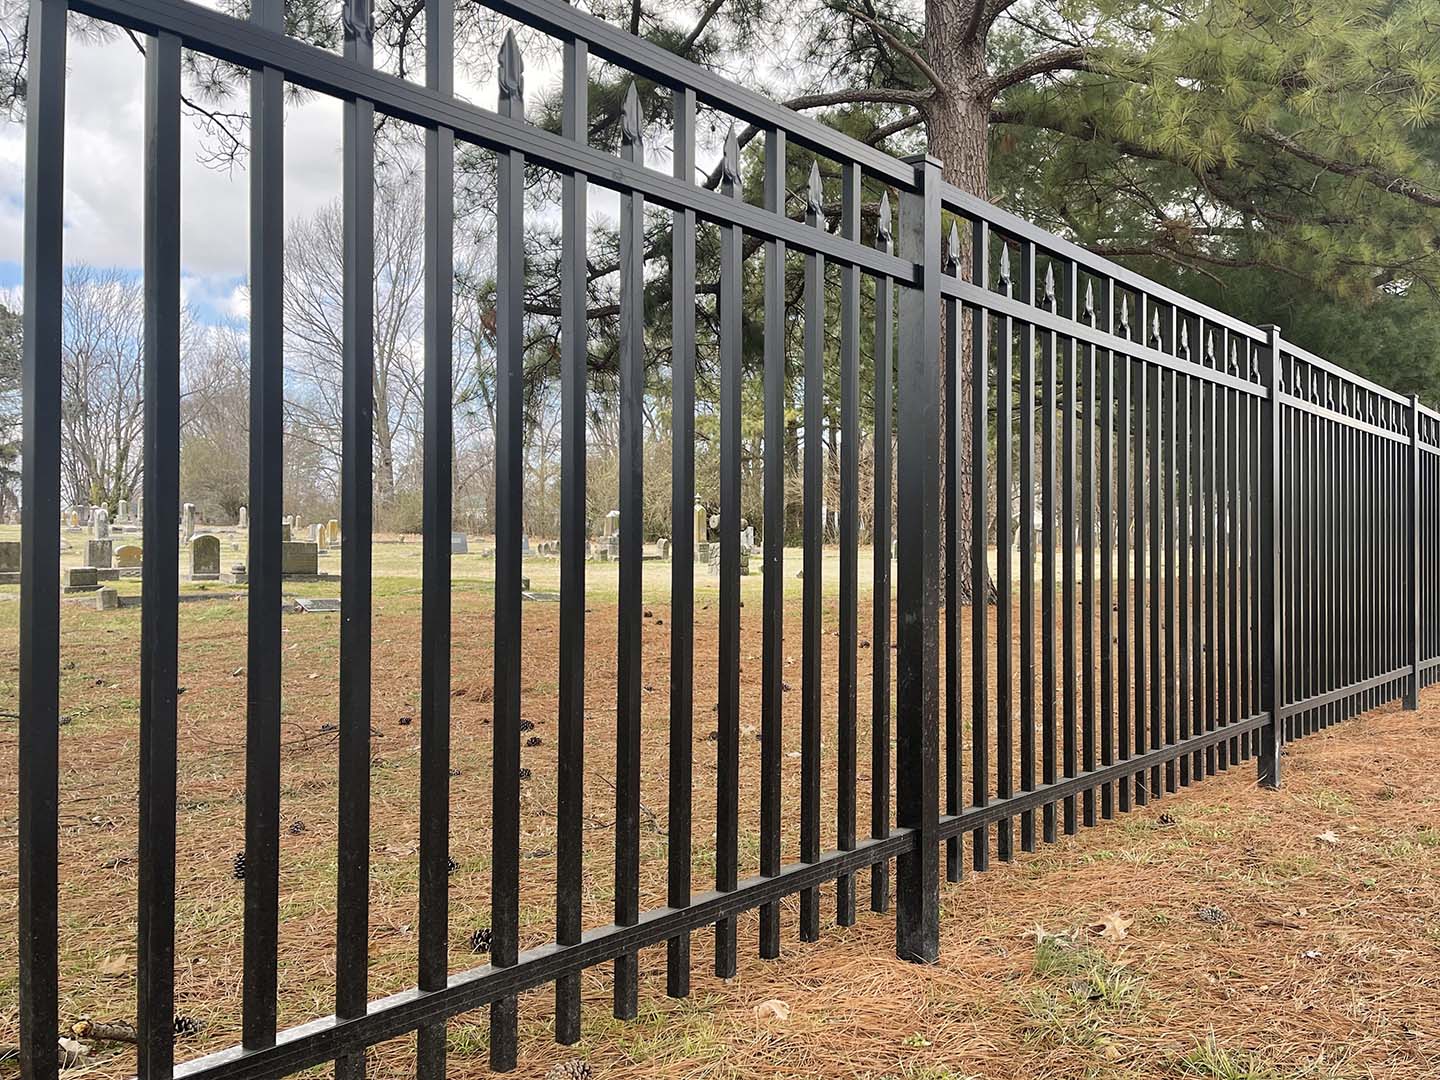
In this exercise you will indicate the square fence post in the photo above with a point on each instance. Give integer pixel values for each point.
(1272, 696)
(917, 518)
(1412, 540)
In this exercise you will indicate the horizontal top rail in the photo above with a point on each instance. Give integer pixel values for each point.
(963, 202)
(645, 58)
(1344, 373)
(317, 69)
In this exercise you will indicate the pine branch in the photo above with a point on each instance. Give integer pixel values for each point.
(1066, 59)
(895, 127)
(904, 49)
(862, 95)
(1396, 185)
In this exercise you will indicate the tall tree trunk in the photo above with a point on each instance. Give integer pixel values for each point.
(958, 130)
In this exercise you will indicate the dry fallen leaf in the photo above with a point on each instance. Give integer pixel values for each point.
(120, 964)
(774, 1009)
(1113, 926)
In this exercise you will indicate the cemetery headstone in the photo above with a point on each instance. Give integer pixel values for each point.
(459, 544)
(128, 556)
(702, 533)
(297, 557)
(100, 524)
(187, 522)
(99, 553)
(122, 511)
(244, 520)
(333, 528)
(205, 558)
(9, 556)
(107, 599)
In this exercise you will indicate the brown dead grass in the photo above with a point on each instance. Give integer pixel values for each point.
(1327, 963)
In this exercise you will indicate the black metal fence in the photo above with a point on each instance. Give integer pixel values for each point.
(1243, 534)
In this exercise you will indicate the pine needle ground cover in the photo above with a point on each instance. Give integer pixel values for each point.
(1225, 932)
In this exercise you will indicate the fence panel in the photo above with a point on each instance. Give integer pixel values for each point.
(1211, 541)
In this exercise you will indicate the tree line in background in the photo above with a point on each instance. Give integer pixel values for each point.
(1279, 159)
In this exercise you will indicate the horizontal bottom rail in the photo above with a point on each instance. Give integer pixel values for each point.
(1319, 701)
(977, 817)
(322, 1040)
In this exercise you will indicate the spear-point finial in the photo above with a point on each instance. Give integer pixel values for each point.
(1049, 294)
(1210, 348)
(512, 68)
(730, 165)
(882, 223)
(1090, 300)
(358, 18)
(632, 119)
(1125, 316)
(815, 192)
(1185, 340)
(1234, 358)
(1155, 335)
(952, 251)
(1005, 269)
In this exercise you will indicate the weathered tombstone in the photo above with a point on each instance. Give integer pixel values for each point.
(611, 526)
(128, 556)
(187, 522)
(98, 553)
(100, 524)
(524, 543)
(296, 523)
(297, 557)
(315, 534)
(334, 530)
(663, 547)
(122, 512)
(140, 508)
(612, 546)
(9, 556)
(107, 599)
(205, 558)
(747, 538)
(74, 519)
(82, 579)
(459, 544)
(701, 532)
(244, 519)
(287, 530)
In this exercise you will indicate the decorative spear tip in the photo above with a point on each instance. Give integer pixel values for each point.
(882, 224)
(632, 119)
(952, 249)
(512, 67)
(1210, 345)
(1125, 314)
(1005, 265)
(1049, 282)
(815, 193)
(731, 160)
(1090, 299)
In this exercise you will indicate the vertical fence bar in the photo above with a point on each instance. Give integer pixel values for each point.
(849, 538)
(880, 628)
(1122, 536)
(159, 633)
(952, 567)
(917, 871)
(1412, 560)
(1070, 678)
(979, 382)
(1048, 488)
(1272, 569)
(1185, 514)
(39, 689)
(772, 702)
(1232, 539)
(1157, 501)
(509, 527)
(682, 553)
(1210, 396)
(267, 426)
(574, 370)
(727, 776)
(438, 517)
(1087, 563)
(1139, 375)
(811, 645)
(628, 658)
(1221, 519)
(1169, 472)
(352, 885)
(1027, 543)
(1004, 571)
(1107, 551)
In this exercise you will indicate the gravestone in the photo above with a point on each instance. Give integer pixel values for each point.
(107, 599)
(459, 544)
(244, 520)
(74, 519)
(82, 579)
(611, 525)
(99, 553)
(287, 531)
(128, 556)
(122, 512)
(100, 524)
(296, 524)
(299, 557)
(663, 547)
(747, 537)
(205, 558)
(702, 534)
(140, 508)
(187, 522)
(9, 556)
(333, 528)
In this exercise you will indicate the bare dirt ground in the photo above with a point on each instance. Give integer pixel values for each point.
(1266, 936)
